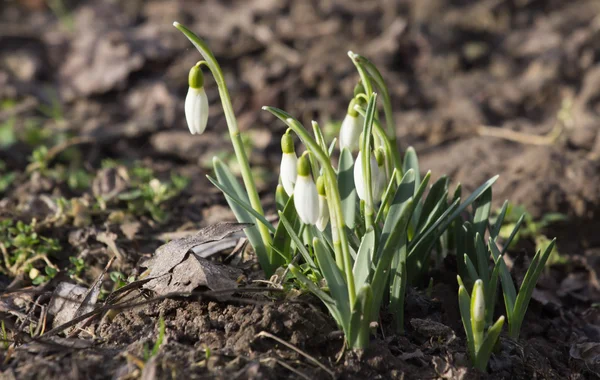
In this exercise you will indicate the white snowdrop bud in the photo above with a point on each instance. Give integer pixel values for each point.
(196, 102)
(478, 308)
(323, 207)
(289, 163)
(359, 183)
(306, 199)
(351, 129)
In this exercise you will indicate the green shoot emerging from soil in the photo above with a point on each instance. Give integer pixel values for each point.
(356, 234)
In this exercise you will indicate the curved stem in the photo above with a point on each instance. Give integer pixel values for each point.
(340, 240)
(234, 132)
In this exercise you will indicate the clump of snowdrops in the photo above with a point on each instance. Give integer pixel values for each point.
(357, 233)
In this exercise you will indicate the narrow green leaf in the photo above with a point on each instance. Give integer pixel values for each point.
(299, 244)
(324, 297)
(495, 229)
(347, 188)
(246, 206)
(398, 286)
(405, 191)
(360, 320)
(526, 289)
(514, 233)
(473, 275)
(228, 180)
(464, 304)
(482, 211)
(395, 241)
(335, 279)
(281, 198)
(364, 259)
(282, 241)
(508, 288)
(438, 190)
(489, 342)
(482, 259)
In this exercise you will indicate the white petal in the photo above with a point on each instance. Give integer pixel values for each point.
(323, 213)
(196, 110)
(288, 171)
(350, 132)
(358, 178)
(306, 200)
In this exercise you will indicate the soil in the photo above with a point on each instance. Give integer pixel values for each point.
(479, 88)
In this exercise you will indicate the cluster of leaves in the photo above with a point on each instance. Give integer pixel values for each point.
(148, 194)
(22, 248)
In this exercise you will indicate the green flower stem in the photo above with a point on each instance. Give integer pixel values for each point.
(390, 141)
(234, 131)
(366, 159)
(340, 240)
(389, 148)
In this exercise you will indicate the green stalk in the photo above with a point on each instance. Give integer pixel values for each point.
(340, 240)
(391, 145)
(234, 132)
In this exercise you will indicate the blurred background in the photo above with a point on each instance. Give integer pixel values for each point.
(479, 88)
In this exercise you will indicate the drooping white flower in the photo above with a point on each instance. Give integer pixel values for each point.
(289, 163)
(323, 207)
(196, 102)
(478, 308)
(306, 199)
(359, 182)
(351, 128)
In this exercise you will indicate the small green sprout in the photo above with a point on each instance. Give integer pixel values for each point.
(159, 341)
(480, 341)
(22, 247)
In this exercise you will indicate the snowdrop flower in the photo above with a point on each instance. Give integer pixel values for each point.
(323, 207)
(361, 190)
(351, 129)
(196, 102)
(289, 163)
(306, 199)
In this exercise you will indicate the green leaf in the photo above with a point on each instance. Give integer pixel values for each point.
(299, 244)
(387, 197)
(512, 235)
(526, 290)
(480, 190)
(437, 192)
(495, 229)
(473, 275)
(464, 304)
(281, 198)
(335, 279)
(405, 191)
(324, 297)
(398, 288)
(411, 161)
(228, 180)
(347, 188)
(246, 206)
(364, 259)
(482, 259)
(360, 321)
(395, 242)
(508, 288)
(282, 241)
(482, 212)
(489, 342)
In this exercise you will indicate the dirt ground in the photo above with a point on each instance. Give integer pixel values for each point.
(479, 88)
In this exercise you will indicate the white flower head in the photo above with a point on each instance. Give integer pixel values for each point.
(351, 129)
(359, 182)
(306, 199)
(288, 171)
(196, 102)
(323, 207)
